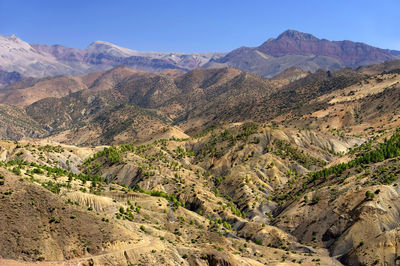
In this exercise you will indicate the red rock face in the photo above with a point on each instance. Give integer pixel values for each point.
(350, 53)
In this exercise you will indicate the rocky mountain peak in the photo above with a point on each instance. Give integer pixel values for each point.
(11, 40)
(297, 35)
(13, 37)
(99, 43)
(109, 48)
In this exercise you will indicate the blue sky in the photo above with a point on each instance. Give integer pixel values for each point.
(198, 26)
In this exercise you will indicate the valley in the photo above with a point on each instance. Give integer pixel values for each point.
(209, 165)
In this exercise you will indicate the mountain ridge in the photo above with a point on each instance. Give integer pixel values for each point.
(295, 42)
(290, 49)
(305, 51)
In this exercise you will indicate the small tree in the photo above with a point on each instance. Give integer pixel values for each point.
(315, 199)
(369, 195)
(306, 199)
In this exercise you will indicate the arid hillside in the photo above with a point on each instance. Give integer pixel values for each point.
(209, 167)
(236, 194)
(166, 218)
(91, 106)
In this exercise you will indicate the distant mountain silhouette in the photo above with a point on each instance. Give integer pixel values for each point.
(303, 50)
(290, 49)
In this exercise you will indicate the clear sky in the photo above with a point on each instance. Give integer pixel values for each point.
(198, 26)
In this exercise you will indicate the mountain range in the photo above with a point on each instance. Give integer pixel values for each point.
(122, 104)
(37, 60)
(305, 51)
(290, 49)
(209, 167)
(281, 154)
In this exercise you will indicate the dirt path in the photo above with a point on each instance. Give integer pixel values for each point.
(79, 261)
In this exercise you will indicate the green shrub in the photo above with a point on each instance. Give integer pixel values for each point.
(38, 171)
(226, 225)
(16, 170)
(54, 220)
(53, 187)
(315, 199)
(369, 195)
(258, 241)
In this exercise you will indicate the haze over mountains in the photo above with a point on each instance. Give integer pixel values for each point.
(110, 156)
(290, 49)
(37, 60)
